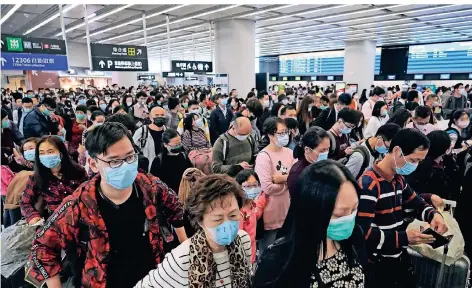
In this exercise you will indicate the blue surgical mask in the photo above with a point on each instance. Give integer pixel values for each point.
(50, 161)
(407, 169)
(103, 106)
(345, 130)
(282, 141)
(224, 233)
(224, 101)
(383, 113)
(122, 177)
(80, 116)
(382, 149)
(26, 110)
(322, 156)
(253, 192)
(29, 154)
(341, 228)
(6, 123)
(46, 112)
(322, 107)
(82, 102)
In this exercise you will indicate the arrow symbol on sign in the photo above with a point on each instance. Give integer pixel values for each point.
(34, 72)
(3, 60)
(139, 52)
(101, 63)
(1, 43)
(206, 66)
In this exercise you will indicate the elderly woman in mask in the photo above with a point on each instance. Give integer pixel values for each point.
(219, 254)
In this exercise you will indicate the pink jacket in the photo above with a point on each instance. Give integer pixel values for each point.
(249, 216)
(7, 176)
(268, 164)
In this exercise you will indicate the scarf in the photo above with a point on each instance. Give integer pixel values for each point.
(202, 269)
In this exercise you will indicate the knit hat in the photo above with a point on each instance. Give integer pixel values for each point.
(4, 113)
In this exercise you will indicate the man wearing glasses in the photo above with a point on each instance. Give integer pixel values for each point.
(113, 221)
(371, 150)
(39, 122)
(339, 134)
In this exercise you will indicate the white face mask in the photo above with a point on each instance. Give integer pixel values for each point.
(241, 137)
(463, 124)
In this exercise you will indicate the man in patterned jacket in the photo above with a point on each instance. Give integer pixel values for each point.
(111, 225)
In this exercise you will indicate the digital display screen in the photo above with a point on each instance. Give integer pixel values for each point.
(273, 78)
(330, 78)
(470, 76)
(419, 77)
(313, 78)
(455, 57)
(391, 77)
(318, 63)
(445, 76)
(297, 78)
(284, 78)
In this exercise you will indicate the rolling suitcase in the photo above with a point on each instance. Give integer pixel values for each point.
(427, 272)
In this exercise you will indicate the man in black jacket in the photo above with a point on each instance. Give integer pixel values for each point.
(328, 117)
(264, 98)
(38, 122)
(220, 118)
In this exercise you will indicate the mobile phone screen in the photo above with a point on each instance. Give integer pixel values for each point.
(439, 239)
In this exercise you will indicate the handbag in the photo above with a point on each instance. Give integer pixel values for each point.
(201, 159)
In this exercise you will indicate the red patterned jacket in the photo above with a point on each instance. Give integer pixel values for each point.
(62, 229)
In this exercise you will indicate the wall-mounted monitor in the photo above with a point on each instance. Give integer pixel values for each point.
(298, 78)
(470, 76)
(284, 78)
(313, 78)
(273, 78)
(418, 76)
(391, 77)
(454, 57)
(445, 76)
(330, 78)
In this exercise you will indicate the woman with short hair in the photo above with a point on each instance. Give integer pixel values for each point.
(219, 254)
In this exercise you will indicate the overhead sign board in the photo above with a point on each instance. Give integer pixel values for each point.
(21, 44)
(173, 74)
(391, 77)
(191, 66)
(191, 78)
(25, 61)
(109, 57)
(147, 77)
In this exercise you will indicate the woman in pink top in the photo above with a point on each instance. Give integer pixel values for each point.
(272, 166)
(252, 210)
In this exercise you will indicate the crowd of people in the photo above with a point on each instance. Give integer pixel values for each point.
(184, 186)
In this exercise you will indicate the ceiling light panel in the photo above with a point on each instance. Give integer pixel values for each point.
(9, 13)
(55, 16)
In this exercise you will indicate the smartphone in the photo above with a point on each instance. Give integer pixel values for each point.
(439, 240)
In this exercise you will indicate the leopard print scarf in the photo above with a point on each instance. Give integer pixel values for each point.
(202, 268)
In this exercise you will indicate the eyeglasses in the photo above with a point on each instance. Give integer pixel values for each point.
(283, 133)
(115, 163)
(349, 126)
(250, 185)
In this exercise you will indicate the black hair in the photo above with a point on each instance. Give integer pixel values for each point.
(413, 86)
(141, 94)
(202, 97)
(124, 119)
(118, 108)
(281, 97)
(377, 107)
(30, 139)
(95, 114)
(70, 170)
(172, 102)
(349, 116)
(440, 142)
(400, 117)
(158, 97)
(412, 95)
(168, 135)
(102, 137)
(315, 195)
(388, 131)
(409, 140)
(345, 99)
(311, 139)
(188, 122)
(49, 102)
(274, 112)
(458, 85)
(192, 102)
(244, 175)
(250, 95)
(270, 125)
(291, 123)
(404, 95)
(26, 100)
(255, 107)
(378, 91)
(456, 114)
(422, 112)
(286, 108)
(303, 114)
(91, 102)
(261, 94)
(82, 108)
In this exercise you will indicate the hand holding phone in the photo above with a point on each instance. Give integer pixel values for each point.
(439, 240)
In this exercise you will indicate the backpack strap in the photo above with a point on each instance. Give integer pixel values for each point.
(365, 155)
(144, 136)
(332, 142)
(225, 150)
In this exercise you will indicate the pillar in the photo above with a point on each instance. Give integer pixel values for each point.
(359, 63)
(235, 52)
(126, 79)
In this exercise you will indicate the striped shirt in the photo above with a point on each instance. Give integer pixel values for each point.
(195, 139)
(173, 271)
(383, 202)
